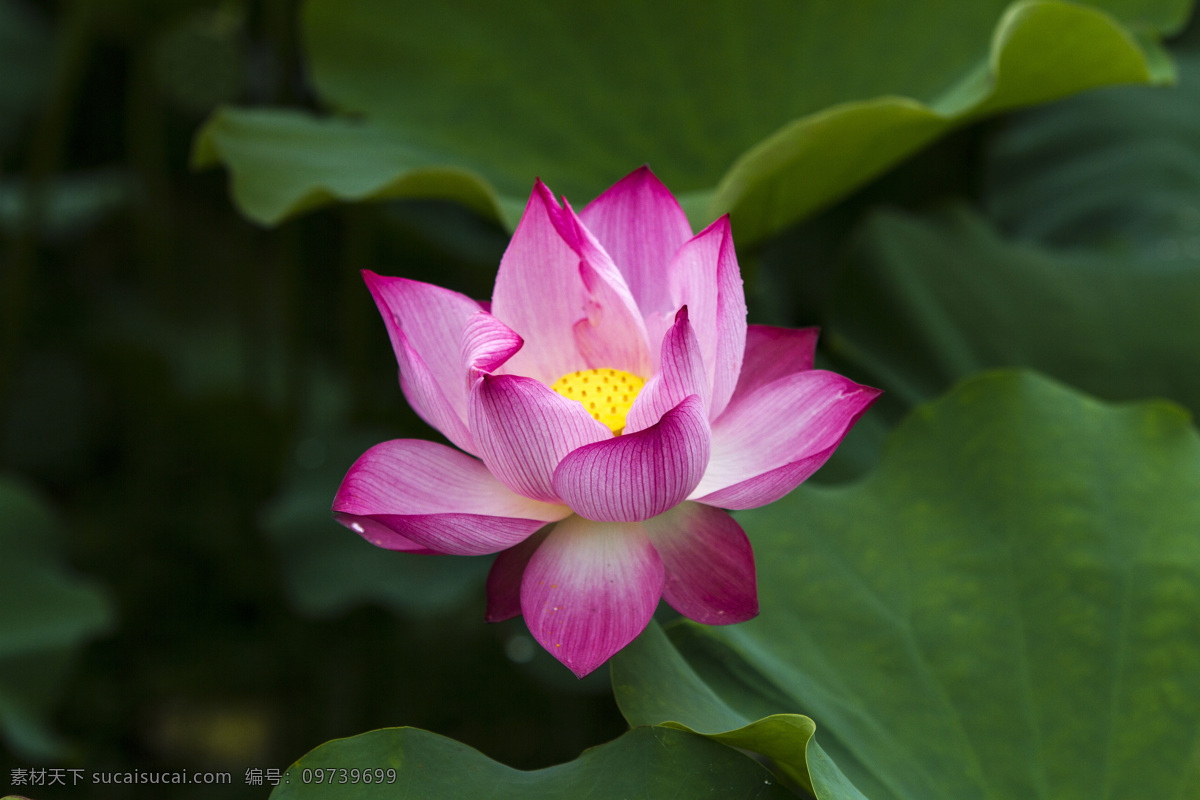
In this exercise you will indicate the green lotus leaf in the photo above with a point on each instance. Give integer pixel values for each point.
(285, 162)
(1094, 279)
(1114, 171)
(1036, 56)
(655, 685)
(926, 301)
(644, 763)
(1085, 267)
(1005, 608)
(46, 613)
(767, 111)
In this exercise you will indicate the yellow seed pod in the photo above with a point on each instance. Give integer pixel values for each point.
(607, 394)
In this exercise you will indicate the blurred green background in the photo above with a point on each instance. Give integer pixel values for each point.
(181, 390)
(180, 394)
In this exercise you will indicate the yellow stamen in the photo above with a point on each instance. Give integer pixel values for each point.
(607, 394)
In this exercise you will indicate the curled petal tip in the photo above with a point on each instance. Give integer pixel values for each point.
(543, 192)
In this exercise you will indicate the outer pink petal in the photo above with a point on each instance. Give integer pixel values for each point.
(680, 373)
(426, 320)
(437, 498)
(522, 430)
(773, 353)
(705, 277)
(709, 564)
(640, 224)
(486, 344)
(613, 334)
(638, 475)
(766, 487)
(539, 293)
(774, 438)
(427, 397)
(590, 589)
(381, 535)
(504, 578)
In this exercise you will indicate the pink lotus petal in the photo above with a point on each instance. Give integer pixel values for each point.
(522, 430)
(640, 224)
(486, 344)
(709, 564)
(504, 578)
(769, 486)
(773, 353)
(431, 319)
(777, 436)
(539, 294)
(436, 497)
(381, 535)
(450, 533)
(613, 334)
(427, 397)
(704, 276)
(681, 373)
(590, 589)
(638, 475)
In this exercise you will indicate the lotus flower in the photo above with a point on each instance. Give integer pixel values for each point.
(607, 406)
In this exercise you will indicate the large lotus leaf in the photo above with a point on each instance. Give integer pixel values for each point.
(1099, 284)
(923, 302)
(655, 685)
(45, 614)
(1096, 279)
(1117, 170)
(1005, 608)
(285, 162)
(644, 763)
(768, 110)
